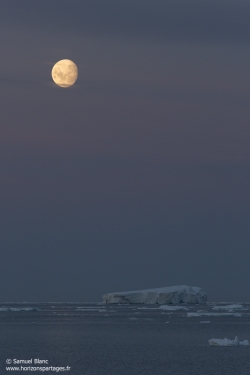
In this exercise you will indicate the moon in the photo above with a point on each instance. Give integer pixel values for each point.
(64, 73)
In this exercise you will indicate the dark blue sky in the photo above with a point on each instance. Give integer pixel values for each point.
(138, 176)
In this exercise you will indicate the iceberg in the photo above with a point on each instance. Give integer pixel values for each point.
(166, 295)
(227, 342)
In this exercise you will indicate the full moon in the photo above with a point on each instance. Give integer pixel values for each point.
(64, 73)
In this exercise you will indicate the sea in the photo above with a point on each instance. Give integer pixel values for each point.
(96, 339)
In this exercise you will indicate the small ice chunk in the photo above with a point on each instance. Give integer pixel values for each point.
(213, 314)
(169, 313)
(229, 307)
(228, 342)
(244, 342)
(205, 321)
(172, 308)
(147, 308)
(19, 309)
(88, 310)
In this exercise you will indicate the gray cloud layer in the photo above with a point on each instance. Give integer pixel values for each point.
(178, 20)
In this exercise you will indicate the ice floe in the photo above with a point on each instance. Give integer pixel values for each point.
(89, 310)
(228, 342)
(193, 314)
(172, 308)
(167, 313)
(229, 307)
(147, 308)
(18, 309)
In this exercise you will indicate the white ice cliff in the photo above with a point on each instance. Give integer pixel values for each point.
(171, 295)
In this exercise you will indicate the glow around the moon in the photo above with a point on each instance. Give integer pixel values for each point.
(64, 73)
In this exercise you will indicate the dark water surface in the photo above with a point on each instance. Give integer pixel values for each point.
(95, 339)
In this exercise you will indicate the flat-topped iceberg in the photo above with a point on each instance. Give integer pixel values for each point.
(167, 295)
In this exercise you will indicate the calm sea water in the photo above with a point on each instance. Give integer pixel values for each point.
(93, 339)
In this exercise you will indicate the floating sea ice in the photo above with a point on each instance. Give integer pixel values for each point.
(88, 310)
(189, 314)
(167, 313)
(229, 307)
(92, 308)
(173, 308)
(228, 342)
(24, 309)
(147, 308)
(19, 309)
(244, 342)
